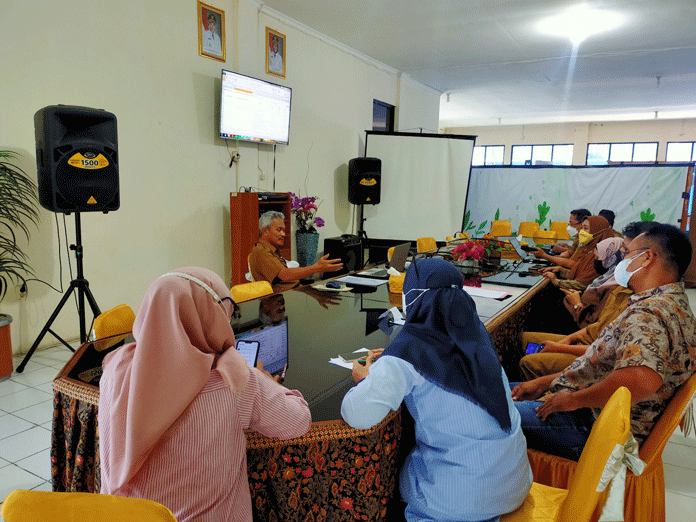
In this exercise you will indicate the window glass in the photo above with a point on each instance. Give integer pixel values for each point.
(646, 152)
(562, 154)
(621, 152)
(677, 151)
(597, 153)
(541, 153)
(478, 158)
(495, 154)
(521, 154)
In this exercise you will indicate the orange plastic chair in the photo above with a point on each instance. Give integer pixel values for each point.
(390, 253)
(560, 228)
(501, 228)
(426, 243)
(644, 499)
(545, 237)
(457, 236)
(579, 501)
(527, 228)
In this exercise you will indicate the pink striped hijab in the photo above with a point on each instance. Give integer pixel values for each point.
(182, 332)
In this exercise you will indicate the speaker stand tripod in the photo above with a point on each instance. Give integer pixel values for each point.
(82, 286)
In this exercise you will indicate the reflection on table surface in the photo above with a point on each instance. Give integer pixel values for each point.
(317, 329)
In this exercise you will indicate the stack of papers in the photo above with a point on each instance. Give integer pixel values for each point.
(346, 363)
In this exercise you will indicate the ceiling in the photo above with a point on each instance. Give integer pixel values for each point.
(498, 69)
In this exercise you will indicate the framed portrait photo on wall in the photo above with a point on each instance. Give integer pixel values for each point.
(275, 53)
(211, 32)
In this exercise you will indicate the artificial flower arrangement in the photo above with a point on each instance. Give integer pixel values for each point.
(478, 249)
(305, 210)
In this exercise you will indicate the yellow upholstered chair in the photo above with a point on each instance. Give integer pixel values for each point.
(501, 228)
(560, 228)
(390, 253)
(527, 228)
(578, 502)
(545, 237)
(47, 506)
(644, 499)
(457, 236)
(426, 243)
(247, 291)
(117, 321)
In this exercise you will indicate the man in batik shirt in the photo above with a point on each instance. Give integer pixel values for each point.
(650, 349)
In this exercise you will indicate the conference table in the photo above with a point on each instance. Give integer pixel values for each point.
(334, 472)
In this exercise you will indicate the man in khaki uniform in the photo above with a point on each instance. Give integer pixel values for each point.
(267, 264)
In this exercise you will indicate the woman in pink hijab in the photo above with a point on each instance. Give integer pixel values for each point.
(174, 405)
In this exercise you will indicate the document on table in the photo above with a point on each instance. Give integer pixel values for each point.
(362, 281)
(346, 363)
(482, 292)
(397, 318)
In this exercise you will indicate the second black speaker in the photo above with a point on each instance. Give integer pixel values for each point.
(364, 180)
(76, 159)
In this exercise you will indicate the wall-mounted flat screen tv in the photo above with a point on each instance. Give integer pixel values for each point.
(254, 110)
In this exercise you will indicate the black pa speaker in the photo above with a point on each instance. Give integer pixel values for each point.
(346, 247)
(364, 180)
(76, 159)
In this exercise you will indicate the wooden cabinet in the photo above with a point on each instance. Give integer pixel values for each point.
(245, 210)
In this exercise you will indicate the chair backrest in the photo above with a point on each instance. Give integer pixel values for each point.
(390, 252)
(651, 449)
(560, 228)
(44, 506)
(611, 428)
(527, 228)
(117, 321)
(247, 291)
(501, 228)
(545, 236)
(426, 243)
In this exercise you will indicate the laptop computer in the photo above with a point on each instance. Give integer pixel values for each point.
(398, 262)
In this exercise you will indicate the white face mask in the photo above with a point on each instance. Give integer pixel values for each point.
(571, 231)
(621, 273)
(403, 297)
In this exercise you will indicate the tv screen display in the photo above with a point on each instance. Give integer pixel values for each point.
(254, 110)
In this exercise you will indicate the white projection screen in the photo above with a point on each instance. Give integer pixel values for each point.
(424, 184)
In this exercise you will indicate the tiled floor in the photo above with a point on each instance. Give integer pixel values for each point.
(26, 409)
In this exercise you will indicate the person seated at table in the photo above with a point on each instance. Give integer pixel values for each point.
(266, 263)
(610, 216)
(560, 351)
(469, 461)
(581, 271)
(564, 250)
(173, 406)
(649, 349)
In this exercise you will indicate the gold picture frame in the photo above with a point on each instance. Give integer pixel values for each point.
(276, 51)
(211, 42)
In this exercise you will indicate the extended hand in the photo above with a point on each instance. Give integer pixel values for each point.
(528, 390)
(328, 265)
(572, 296)
(559, 401)
(538, 252)
(360, 371)
(550, 276)
(278, 378)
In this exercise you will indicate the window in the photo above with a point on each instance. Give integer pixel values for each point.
(542, 155)
(606, 153)
(681, 151)
(488, 155)
(382, 116)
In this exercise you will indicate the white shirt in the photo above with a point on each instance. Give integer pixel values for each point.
(275, 62)
(212, 43)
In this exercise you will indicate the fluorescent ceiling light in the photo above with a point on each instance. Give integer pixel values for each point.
(580, 22)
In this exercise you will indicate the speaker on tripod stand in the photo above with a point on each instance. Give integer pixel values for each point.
(77, 164)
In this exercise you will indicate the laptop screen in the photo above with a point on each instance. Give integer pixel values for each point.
(399, 256)
(273, 344)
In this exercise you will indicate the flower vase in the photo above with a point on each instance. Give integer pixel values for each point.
(307, 244)
(468, 266)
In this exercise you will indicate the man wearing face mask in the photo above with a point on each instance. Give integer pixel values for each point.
(565, 251)
(647, 349)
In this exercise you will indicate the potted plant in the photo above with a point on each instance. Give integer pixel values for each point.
(307, 221)
(18, 208)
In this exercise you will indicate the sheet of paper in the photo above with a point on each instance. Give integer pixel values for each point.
(346, 363)
(362, 281)
(482, 292)
(397, 318)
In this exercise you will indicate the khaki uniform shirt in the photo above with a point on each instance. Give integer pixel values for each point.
(266, 263)
(657, 330)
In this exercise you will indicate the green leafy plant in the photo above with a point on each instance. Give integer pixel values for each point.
(647, 215)
(543, 211)
(497, 215)
(479, 230)
(467, 225)
(18, 208)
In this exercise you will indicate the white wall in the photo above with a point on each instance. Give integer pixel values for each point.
(580, 134)
(140, 61)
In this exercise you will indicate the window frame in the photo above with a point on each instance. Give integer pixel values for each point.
(485, 154)
(553, 153)
(633, 152)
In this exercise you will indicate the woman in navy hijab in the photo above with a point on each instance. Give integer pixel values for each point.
(470, 458)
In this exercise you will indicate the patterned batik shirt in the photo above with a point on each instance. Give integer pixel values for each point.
(657, 330)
